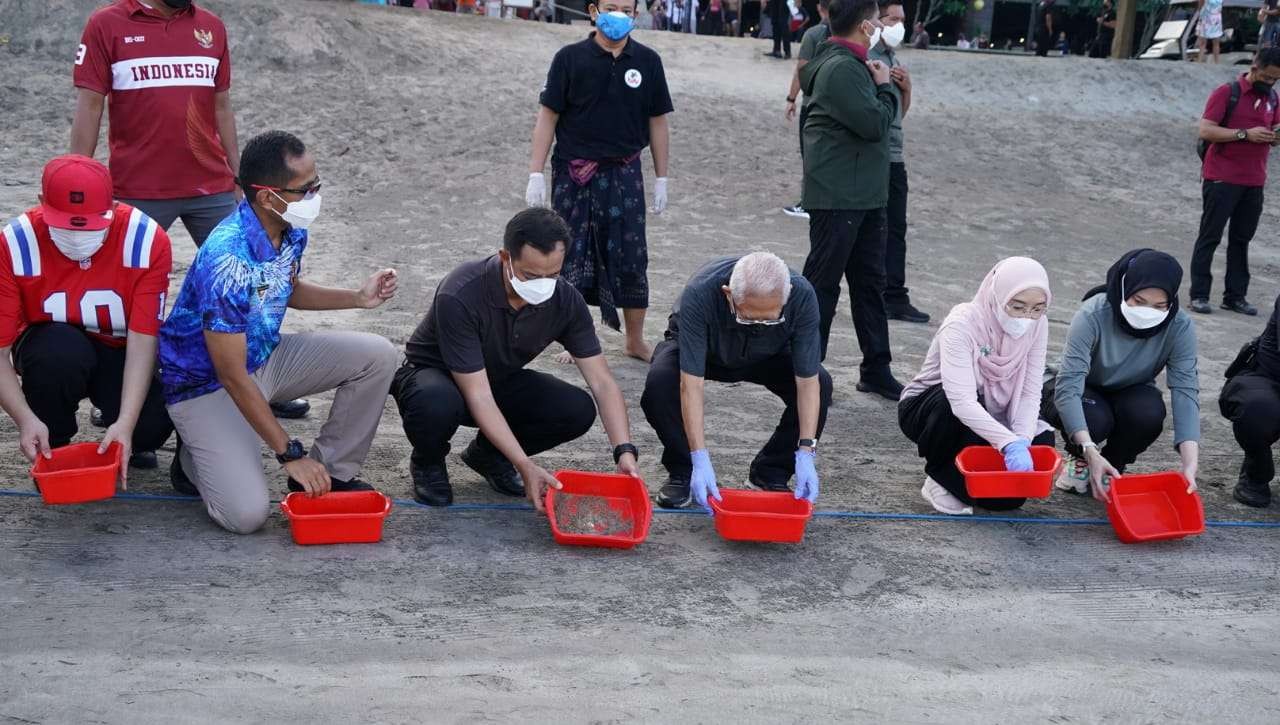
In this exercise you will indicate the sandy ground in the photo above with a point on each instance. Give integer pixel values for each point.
(420, 123)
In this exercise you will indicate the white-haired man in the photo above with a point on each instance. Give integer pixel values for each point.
(748, 319)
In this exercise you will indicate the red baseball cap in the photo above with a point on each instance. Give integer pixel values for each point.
(76, 193)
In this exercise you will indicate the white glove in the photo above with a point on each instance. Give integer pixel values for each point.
(536, 193)
(660, 195)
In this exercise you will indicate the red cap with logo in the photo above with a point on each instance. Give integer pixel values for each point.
(76, 193)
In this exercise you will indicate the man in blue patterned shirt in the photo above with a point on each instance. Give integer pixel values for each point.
(223, 359)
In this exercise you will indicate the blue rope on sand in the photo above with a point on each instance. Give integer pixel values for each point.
(869, 515)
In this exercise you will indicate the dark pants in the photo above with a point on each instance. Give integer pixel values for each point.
(1223, 203)
(661, 403)
(780, 19)
(1044, 41)
(1129, 420)
(804, 114)
(199, 214)
(1251, 401)
(851, 245)
(940, 436)
(61, 365)
(542, 411)
(895, 252)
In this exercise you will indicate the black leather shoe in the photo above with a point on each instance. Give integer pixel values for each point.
(768, 483)
(886, 386)
(1241, 306)
(335, 485)
(291, 409)
(495, 470)
(144, 461)
(675, 493)
(1201, 307)
(431, 484)
(1258, 497)
(906, 313)
(177, 477)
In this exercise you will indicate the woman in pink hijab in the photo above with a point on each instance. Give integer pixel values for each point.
(981, 384)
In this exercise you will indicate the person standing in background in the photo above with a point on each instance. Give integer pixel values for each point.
(1269, 16)
(780, 22)
(897, 300)
(813, 37)
(1045, 25)
(1102, 43)
(1210, 30)
(604, 101)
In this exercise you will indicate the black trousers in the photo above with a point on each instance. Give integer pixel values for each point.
(1223, 203)
(661, 404)
(940, 436)
(895, 254)
(851, 245)
(61, 365)
(1129, 420)
(780, 19)
(542, 411)
(804, 114)
(1251, 401)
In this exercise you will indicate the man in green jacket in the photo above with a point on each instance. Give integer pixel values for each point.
(846, 183)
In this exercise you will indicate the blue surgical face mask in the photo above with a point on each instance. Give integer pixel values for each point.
(614, 25)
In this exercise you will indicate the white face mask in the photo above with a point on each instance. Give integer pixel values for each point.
(875, 38)
(77, 245)
(1140, 317)
(534, 291)
(301, 214)
(1015, 327)
(894, 35)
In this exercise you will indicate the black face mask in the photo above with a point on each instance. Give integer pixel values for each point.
(178, 4)
(1261, 88)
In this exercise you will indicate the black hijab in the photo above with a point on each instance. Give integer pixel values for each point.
(1140, 269)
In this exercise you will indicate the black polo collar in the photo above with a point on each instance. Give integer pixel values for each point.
(626, 49)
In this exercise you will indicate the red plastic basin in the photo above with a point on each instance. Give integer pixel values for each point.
(985, 475)
(599, 509)
(761, 516)
(77, 473)
(341, 517)
(1153, 507)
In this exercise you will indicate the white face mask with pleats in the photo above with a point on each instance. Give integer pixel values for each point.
(893, 35)
(77, 244)
(1015, 327)
(534, 291)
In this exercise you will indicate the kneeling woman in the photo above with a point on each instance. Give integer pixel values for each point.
(1251, 401)
(1105, 400)
(981, 383)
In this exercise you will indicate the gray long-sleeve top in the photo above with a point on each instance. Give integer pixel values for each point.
(1099, 354)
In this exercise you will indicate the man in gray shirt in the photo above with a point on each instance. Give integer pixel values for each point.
(748, 319)
(897, 301)
(813, 37)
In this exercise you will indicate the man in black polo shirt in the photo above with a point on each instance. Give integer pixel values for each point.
(748, 319)
(466, 362)
(605, 100)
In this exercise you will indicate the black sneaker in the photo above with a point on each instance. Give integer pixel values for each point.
(95, 417)
(291, 409)
(431, 484)
(886, 386)
(335, 485)
(906, 312)
(495, 470)
(675, 493)
(1249, 493)
(1241, 306)
(769, 483)
(177, 477)
(1201, 307)
(796, 211)
(144, 461)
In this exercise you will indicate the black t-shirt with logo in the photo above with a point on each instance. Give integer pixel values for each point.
(604, 103)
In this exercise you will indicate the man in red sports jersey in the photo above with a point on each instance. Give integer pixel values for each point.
(83, 281)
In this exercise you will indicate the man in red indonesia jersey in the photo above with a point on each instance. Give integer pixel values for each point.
(82, 288)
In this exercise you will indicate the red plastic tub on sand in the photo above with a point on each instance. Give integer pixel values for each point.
(607, 510)
(340, 517)
(766, 516)
(985, 475)
(1154, 507)
(77, 473)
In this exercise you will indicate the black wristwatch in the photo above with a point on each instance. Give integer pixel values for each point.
(624, 448)
(292, 452)
(808, 443)
(791, 99)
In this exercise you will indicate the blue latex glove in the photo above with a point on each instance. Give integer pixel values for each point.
(806, 476)
(1017, 456)
(703, 481)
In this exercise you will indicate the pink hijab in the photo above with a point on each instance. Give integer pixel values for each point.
(1001, 359)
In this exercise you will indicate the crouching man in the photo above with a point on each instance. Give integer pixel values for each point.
(739, 320)
(466, 367)
(223, 359)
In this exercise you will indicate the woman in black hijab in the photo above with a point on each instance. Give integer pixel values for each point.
(1105, 399)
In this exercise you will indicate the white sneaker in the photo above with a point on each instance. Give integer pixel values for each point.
(1074, 477)
(942, 501)
(795, 211)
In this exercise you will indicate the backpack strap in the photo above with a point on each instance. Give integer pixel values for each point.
(1233, 100)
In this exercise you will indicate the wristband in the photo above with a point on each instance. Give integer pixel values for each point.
(791, 99)
(622, 449)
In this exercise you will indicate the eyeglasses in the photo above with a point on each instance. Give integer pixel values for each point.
(307, 191)
(745, 321)
(1021, 309)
